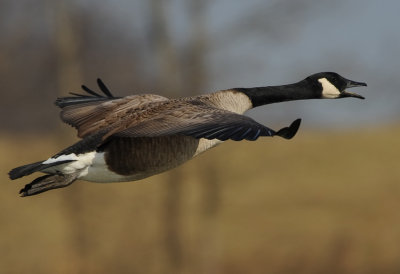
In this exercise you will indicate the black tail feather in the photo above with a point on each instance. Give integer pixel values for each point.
(25, 170)
(47, 182)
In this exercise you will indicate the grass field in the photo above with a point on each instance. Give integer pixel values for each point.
(320, 203)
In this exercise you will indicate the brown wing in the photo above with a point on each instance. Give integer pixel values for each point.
(153, 115)
(92, 112)
(195, 119)
(91, 117)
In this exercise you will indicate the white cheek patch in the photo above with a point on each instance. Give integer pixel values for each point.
(329, 91)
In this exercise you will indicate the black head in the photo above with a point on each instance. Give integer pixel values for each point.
(331, 85)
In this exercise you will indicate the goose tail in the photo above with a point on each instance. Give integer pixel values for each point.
(28, 169)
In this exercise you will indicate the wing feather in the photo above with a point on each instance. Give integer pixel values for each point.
(151, 115)
(199, 121)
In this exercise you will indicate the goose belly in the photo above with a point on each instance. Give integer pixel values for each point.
(130, 159)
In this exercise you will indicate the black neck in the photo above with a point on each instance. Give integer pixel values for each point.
(274, 94)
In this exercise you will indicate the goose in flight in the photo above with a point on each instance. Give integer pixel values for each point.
(134, 137)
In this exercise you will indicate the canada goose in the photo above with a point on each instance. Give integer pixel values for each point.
(134, 137)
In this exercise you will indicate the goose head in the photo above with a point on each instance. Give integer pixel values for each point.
(330, 85)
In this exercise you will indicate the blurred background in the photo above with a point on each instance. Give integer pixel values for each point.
(325, 202)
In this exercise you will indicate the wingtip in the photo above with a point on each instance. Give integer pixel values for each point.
(290, 131)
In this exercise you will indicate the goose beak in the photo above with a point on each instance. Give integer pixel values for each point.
(351, 84)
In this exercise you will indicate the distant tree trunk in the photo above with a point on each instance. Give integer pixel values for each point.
(208, 240)
(173, 221)
(194, 61)
(168, 79)
(69, 73)
(67, 43)
(207, 247)
(176, 71)
(167, 61)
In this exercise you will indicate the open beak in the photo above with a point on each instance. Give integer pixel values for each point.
(351, 84)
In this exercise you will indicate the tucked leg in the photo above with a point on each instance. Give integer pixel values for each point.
(47, 182)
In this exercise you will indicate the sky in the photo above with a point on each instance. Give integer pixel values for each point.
(358, 39)
(258, 43)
